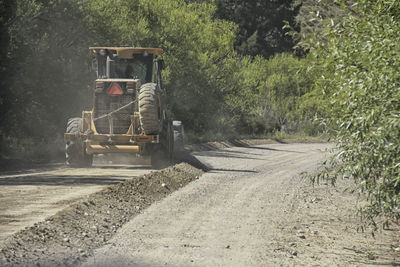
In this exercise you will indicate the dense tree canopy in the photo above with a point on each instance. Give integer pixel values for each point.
(49, 77)
(211, 88)
(261, 24)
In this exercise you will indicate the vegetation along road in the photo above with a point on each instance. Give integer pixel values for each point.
(233, 69)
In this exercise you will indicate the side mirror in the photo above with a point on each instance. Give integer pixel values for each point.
(94, 64)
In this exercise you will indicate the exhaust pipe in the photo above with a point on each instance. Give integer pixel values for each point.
(110, 71)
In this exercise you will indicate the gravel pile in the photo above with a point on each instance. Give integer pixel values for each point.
(72, 234)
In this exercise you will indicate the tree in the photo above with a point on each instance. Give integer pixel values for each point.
(7, 10)
(261, 24)
(47, 73)
(48, 60)
(196, 48)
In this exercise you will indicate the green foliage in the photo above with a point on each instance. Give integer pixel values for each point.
(47, 75)
(49, 78)
(196, 48)
(270, 94)
(290, 78)
(312, 18)
(363, 86)
(261, 24)
(213, 90)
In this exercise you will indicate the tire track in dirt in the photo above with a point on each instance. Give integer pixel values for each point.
(70, 235)
(32, 195)
(250, 209)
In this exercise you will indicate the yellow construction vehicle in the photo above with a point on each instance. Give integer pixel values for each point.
(128, 114)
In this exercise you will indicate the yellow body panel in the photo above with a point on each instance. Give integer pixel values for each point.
(117, 143)
(100, 149)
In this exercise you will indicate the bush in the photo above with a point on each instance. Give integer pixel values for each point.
(363, 89)
(271, 94)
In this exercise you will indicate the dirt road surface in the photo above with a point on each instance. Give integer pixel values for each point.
(32, 195)
(251, 209)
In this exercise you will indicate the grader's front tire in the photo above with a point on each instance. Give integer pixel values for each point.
(75, 154)
(149, 109)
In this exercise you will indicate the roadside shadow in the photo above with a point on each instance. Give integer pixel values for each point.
(60, 180)
(11, 168)
(240, 143)
(378, 263)
(273, 149)
(243, 144)
(186, 156)
(119, 167)
(226, 154)
(231, 170)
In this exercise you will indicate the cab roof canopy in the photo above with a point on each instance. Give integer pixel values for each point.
(126, 52)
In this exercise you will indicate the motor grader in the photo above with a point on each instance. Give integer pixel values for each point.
(129, 112)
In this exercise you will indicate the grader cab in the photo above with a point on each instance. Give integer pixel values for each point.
(128, 113)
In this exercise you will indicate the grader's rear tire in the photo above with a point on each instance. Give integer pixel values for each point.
(162, 153)
(74, 151)
(149, 109)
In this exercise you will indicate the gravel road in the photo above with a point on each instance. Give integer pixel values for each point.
(251, 209)
(30, 196)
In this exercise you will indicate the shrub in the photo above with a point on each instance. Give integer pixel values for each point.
(363, 87)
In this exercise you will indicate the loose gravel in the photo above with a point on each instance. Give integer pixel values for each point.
(72, 234)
